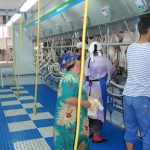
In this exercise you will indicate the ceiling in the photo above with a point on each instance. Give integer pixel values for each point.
(16, 4)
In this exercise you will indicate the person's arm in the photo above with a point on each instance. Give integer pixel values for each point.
(116, 64)
(112, 68)
(74, 101)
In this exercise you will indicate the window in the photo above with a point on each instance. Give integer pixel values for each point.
(3, 32)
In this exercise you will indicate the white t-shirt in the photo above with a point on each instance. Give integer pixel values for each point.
(138, 61)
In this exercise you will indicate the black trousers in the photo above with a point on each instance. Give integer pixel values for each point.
(95, 125)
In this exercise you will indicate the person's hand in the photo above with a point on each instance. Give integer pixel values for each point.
(89, 98)
(86, 104)
(116, 63)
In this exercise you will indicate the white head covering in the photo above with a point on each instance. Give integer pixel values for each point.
(91, 49)
(79, 46)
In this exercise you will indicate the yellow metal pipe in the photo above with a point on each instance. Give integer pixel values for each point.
(37, 59)
(13, 77)
(81, 75)
(19, 55)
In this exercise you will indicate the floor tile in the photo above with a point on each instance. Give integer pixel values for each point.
(26, 97)
(44, 123)
(5, 90)
(20, 87)
(8, 103)
(31, 105)
(18, 126)
(46, 132)
(7, 96)
(15, 112)
(37, 144)
(39, 116)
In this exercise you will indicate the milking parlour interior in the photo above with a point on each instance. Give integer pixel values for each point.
(54, 56)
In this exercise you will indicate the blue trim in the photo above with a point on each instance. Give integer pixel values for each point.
(54, 14)
(25, 16)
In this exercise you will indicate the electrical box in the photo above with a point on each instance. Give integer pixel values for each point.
(88, 20)
(49, 30)
(142, 5)
(106, 13)
(69, 24)
(58, 28)
(42, 32)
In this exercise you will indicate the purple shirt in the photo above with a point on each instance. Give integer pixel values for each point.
(97, 70)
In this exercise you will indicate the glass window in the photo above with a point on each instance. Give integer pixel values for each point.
(5, 30)
(1, 32)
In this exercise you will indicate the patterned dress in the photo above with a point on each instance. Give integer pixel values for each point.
(65, 116)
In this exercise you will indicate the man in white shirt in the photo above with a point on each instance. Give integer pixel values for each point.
(136, 99)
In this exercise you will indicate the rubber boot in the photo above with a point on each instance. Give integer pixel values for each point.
(97, 139)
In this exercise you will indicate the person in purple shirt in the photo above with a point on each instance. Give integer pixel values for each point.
(96, 72)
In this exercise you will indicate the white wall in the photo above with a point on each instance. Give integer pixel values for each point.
(27, 68)
(3, 40)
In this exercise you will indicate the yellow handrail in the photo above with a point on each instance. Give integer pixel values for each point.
(19, 55)
(13, 53)
(37, 59)
(81, 74)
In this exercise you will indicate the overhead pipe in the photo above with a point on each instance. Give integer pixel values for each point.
(136, 28)
(75, 33)
(108, 44)
(108, 28)
(128, 29)
(72, 42)
(62, 40)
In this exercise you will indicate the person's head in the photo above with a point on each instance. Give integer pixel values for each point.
(79, 48)
(70, 61)
(144, 26)
(95, 48)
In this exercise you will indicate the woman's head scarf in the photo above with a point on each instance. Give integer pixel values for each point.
(67, 59)
(91, 49)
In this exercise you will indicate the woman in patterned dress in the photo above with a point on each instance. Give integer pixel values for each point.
(66, 107)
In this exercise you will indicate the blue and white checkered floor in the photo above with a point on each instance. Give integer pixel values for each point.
(20, 129)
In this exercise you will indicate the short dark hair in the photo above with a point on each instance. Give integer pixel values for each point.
(71, 66)
(77, 50)
(144, 24)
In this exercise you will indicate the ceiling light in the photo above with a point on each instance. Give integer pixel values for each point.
(15, 17)
(9, 23)
(28, 4)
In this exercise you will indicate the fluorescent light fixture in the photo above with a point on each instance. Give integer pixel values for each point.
(28, 4)
(15, 17)
(9, 23)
